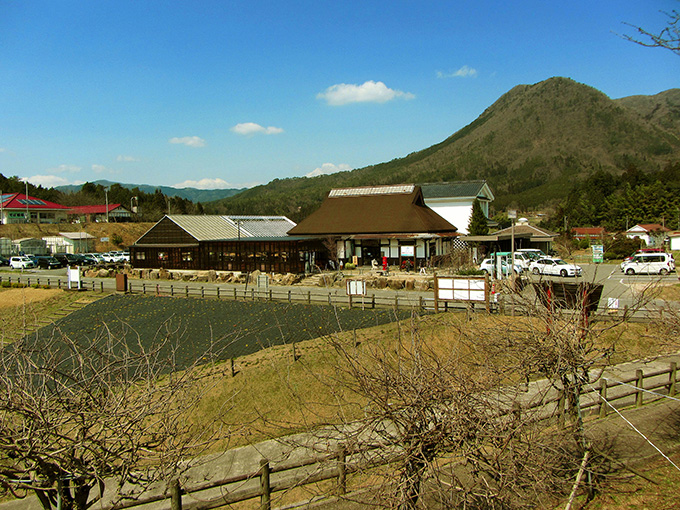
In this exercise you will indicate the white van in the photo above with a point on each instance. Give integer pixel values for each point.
(652, 263)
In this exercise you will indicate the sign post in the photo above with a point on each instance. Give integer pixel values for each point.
(356, 288)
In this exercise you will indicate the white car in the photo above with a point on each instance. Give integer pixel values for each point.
(487, 267)
(21, 262)
(652, 263)
(554, 267)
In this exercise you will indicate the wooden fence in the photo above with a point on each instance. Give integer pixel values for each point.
(270, 478)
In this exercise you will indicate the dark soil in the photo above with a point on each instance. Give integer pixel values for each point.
(210, 329)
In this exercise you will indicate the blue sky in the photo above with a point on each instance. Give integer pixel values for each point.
(216, 94)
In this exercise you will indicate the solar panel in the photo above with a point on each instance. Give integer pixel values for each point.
(372, 190)
(31, 201)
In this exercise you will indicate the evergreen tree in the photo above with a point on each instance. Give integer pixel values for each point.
(478, 225)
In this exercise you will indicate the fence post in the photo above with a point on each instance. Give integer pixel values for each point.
(639, 385)
(172, 291)
(101, 287)
(58, 282)
(235, 296)
(233, 372)
(202, 291)
(309, 297)
(218, 292)
(603, 398)
(271, 297)
(175, 495)
(342, 470)
(144, 288)
(186, 291)
(373, 302)
(329, 299)
(289, 297)
(671, 378)
(265, 490)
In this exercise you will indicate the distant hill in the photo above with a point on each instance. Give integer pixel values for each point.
(532, 145)
(193, 194)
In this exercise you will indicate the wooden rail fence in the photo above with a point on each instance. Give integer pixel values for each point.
(336, 465)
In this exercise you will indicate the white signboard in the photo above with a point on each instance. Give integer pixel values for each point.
(408, 251)
(461, 289)
(73, 274)
(356, 288)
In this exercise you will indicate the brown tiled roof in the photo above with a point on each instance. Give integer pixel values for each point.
(396, 210)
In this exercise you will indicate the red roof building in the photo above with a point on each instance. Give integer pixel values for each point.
(101, 213)
(21, 208)
(588, 232)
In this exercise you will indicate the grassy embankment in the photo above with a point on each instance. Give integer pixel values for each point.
(274, 394)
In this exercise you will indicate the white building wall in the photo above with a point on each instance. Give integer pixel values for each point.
(674, 243)
(456, 214)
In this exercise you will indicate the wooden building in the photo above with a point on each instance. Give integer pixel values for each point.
(372, 222)
(226, 243)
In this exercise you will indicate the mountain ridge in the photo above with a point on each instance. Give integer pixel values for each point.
(193, 194)
(532, 145)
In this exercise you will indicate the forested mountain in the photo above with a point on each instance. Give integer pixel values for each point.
(534, 145)
(191, 194)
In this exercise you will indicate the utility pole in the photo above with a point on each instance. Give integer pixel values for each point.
(28, 214)
(106, 198)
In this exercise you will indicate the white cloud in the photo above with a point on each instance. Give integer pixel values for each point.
(189, 141)
(50, 181)
(99, 169)
(463, 72)
(65, 169)
(205, 184)
(368, 92)
(2, 149)
(328, 168)
(251, 128)
(126, 159)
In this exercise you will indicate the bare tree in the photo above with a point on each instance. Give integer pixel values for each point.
(76, 415)
(668, 37)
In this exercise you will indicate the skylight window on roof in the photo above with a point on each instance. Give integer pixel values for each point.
(372, 190)
(31, 201)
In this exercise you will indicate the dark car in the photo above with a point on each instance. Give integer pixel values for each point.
(68, 259)
(4, 261)
(48, 262)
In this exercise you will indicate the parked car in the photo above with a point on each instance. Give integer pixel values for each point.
(67, 259)
(4, 261)
(48, 262)
(649, 262)
(644, 250)
(21, 262)
(555, 267)
(487, 267)
(532, 253)
(91, 259)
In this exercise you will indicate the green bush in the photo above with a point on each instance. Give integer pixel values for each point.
(349, 265)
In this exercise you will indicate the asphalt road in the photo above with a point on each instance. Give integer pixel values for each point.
(619, 289)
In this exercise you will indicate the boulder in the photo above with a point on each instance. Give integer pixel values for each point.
(396, 283)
